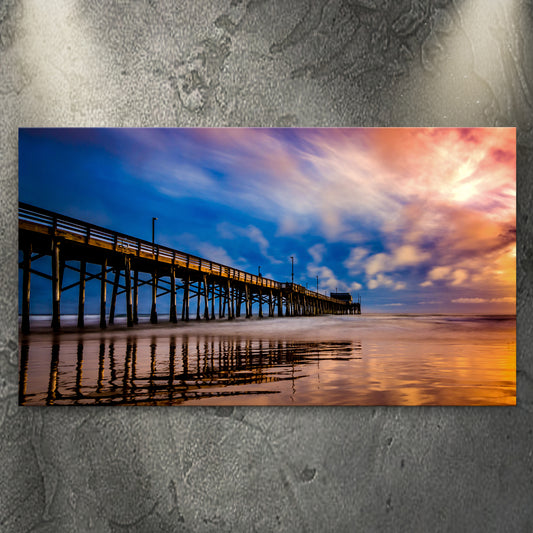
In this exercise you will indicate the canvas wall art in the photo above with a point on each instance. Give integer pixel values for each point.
(256, 266)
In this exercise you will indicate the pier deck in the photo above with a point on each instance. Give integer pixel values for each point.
(74, 244)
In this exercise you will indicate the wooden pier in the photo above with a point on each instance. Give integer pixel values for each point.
(126, 263)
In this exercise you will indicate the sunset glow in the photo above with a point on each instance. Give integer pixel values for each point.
(414, 220)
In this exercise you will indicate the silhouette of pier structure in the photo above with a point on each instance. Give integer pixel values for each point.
(80, 246)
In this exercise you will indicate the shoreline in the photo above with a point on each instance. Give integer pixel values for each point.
(342, 326)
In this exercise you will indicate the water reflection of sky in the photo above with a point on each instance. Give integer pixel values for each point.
(400, 361)
(169, 370)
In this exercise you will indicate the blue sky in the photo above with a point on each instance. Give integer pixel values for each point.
(407, 218)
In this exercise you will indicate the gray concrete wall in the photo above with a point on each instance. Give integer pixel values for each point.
(265, 63)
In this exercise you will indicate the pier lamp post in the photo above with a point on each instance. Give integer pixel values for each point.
(153, 230)
(292, 270)
(259, 271)
(317, 284)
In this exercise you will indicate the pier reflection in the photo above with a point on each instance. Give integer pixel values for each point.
(169, 370)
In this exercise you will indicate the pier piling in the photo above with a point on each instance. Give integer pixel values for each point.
(81, 295)
(153, 312)
(103, 292)
(116, 282)
(56, 286)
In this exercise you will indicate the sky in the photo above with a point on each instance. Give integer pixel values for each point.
(414, 220)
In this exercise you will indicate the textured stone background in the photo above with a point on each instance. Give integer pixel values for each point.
(284, 63)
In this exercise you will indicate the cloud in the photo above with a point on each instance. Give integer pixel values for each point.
(409, 255)
(219, 255)
(179, 180)
(505, 299)
(385, 281)
(380, 281)
(256, 235)
(401, 257)
(377, 263)
(439, 165)
(469, 300)
(438, 273)
(446, 274)
(354, 261)
(229, 231)
(354, 286)
(317, 252)
(327, 279)
(334, 179)
(459, 276)
(460, 213)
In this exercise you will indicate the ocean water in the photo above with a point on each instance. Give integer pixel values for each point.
(369, 359)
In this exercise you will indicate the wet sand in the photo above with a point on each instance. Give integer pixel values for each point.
(327, 360)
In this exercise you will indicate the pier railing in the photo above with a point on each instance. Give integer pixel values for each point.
(49, 223)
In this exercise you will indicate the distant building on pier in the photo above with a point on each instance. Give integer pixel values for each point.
(346, 297)
(343, 296)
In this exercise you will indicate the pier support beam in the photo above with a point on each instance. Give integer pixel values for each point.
(56, 286)
(198, 296)
(232, 299)
(224, 296)
(213, 301)
(103, 292)
(206, 299)
(185, 307)
(26, 290)
(231, 307)
(173, 313)
(238, 303)
(260, 298)
(114, 296)
(153, 312)
(248, 302)
(129, 306)
(240, 298)
(81, 295)
(136, 296)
